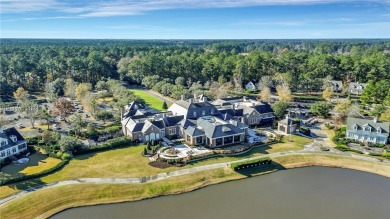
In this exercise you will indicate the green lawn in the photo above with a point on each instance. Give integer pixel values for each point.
(152, 101)
(128, 162)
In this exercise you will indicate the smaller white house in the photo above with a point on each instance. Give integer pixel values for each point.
(367, 130)
(250, 86)
(11, 143)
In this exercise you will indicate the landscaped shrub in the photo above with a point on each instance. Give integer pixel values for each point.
(66, 156)
(32, 140)
(32, 176)
(251, 163)
(109, 144)
(305, 131)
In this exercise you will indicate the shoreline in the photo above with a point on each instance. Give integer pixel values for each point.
(175, 185)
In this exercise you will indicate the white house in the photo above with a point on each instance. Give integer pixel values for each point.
(366, 130)
(250, 86)
(11, 143)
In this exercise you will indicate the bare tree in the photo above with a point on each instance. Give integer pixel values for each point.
(32, 111)
(284, 92)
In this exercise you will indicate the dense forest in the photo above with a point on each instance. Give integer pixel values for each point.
(33, 64)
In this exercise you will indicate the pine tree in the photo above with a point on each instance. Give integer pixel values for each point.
(165, 105)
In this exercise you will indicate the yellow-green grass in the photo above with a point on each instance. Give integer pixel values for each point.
(29, 129)
(330, 134)
(128, 162)
(152, 101)
(69, 196)
(37, 163)
(105, 100)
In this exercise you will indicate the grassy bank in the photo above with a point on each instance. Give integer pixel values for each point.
(152, 101)
(128, 162)
(80, 195)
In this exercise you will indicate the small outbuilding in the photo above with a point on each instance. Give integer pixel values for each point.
(287, 126)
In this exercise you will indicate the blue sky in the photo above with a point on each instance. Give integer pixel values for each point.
(191, 19)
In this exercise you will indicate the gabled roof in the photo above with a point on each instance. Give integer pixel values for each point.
(158, 123)
(135, 105)
(172, 120)
(193, 131)
(213, 130)
(385, 126)
(263, 108)
(7, 133)
(135, 126)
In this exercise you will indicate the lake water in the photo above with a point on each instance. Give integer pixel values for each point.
(313, 193)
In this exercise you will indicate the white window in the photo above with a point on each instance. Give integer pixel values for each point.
(2, 154)
(3, 143)
(13, 138)
(355, 127)
(379, 130)
(203, 113)
(367, 129)
(172, 131)
(194, 114)
(212, 111)
(14, 150)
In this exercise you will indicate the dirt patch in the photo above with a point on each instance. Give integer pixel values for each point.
(163, 165)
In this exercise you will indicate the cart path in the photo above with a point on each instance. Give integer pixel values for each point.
(178, 172)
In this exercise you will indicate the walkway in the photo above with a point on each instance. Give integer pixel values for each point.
(175, 173)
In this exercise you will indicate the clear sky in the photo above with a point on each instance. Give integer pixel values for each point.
(195, 19)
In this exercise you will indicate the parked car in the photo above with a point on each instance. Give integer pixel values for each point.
(55, 126)
(20, 126)
(61, 119)
(79, 111)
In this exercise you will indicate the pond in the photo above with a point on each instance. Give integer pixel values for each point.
(312, 192)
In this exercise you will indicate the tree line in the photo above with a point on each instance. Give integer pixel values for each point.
(37, 64)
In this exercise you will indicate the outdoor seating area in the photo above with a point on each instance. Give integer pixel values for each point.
(181, 151)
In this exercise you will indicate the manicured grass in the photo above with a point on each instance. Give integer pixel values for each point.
(152, 101)
(84, 194)
(105, 100)
(36, 164)
(330, 133)
(128, 162)
(29, 129)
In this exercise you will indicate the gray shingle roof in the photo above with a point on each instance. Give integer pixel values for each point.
(213, 130)
(7, 133)
(193, 131)
(385, 126)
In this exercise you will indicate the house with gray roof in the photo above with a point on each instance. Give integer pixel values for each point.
(11, 143)
(193, 108)
(246, 110)
(214, 132)
(368, 130)
(337, 86)
(356, 88)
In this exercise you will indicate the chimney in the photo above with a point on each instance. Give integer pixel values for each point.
(182, 97)
(195, 97)
(204, 99)
(190, 100)
(375, 119)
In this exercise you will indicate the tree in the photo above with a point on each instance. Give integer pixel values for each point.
(82, 89)
(69, 144)
(279, 108)
(284, 92)
(3, 122)
(92, 132)
(21, 94)
(320, 108)
(378, 110)
(327, 93)
(180, 81)
(386, 101)
(265, 94)
(45, 115)
(386, 115)
(78, 123)
(165, 105)
(343, 106)
(70, 88)
(62, 107)
(32, 111)
(104, 115)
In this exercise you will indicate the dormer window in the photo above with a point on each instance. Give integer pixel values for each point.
(212, 111)
(3, 143)
(13, 138)
(194, 114)
(203, 113)
(379, 130)
(367, 128)
(355, 127)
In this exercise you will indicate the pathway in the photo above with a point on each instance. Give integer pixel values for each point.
(176, 173)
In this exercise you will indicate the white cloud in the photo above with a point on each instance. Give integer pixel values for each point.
(106, 8)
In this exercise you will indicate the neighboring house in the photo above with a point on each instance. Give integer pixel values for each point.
(250, 86)
(214, 132)
(11, 143)
(367, 130)
(193, 108)
(337, 86)
(287, 126)
(248, 111)
(356, 88)
(135, 108)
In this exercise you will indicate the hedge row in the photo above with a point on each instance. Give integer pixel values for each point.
(35, 175)
(109, 144)
(251, 163)
(314, 98)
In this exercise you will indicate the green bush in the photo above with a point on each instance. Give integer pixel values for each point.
(36, 175)
(109, 144)
(250, 163)
(66, 156)
(59, 154)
